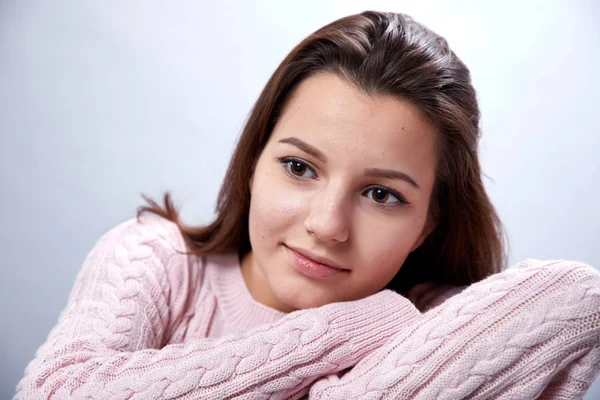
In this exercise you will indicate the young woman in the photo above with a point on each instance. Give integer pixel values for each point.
(355, 187)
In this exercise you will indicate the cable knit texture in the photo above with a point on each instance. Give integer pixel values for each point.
(146, 321)
(530, 332)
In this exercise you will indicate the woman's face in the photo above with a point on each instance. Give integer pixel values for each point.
(339, 196)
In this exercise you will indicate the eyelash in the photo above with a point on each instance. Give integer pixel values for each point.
(285, 160)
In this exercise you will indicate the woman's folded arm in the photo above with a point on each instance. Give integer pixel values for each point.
(530, 331)
(110, 340)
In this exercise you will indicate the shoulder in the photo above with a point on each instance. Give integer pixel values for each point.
(147, 230)
(149, 249)
(148, 256)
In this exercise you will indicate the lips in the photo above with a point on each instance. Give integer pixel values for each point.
(312, 265)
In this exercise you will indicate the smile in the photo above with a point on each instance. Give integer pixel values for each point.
(311, 267)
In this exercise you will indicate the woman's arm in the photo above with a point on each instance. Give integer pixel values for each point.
(133, 291)
(527, 332)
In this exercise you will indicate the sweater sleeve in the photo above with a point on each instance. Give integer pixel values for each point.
(133, 290)
(527, 332)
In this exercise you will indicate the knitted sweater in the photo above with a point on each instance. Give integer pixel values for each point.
(145, 321)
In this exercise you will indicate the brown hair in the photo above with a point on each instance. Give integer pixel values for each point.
(391, 54)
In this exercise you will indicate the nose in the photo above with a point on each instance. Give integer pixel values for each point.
(328, 217)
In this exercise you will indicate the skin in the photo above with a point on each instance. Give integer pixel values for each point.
(331, 208)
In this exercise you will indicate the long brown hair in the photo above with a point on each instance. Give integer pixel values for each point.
(380, 53)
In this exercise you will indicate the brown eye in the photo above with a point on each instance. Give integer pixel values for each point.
(380, 195)
(385, 197)
(297, 168)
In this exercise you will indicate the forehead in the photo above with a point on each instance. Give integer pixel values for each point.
(335, 116)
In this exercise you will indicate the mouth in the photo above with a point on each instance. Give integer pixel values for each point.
(313, 265)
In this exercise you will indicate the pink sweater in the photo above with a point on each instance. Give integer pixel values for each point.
(146, 322)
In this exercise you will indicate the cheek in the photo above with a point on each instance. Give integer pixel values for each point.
(384, 248)
(386, 254)
(274, 208)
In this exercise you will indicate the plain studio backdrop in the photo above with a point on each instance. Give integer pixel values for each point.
(102, 101)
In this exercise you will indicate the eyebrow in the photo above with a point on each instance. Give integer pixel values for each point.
(305, 147)
(370, 172)
(390, 174)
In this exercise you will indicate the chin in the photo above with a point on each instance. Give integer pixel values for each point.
(294, 291)
(303, 299)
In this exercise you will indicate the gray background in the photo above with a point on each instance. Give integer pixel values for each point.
(101, 101)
